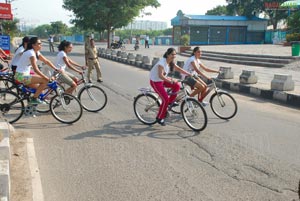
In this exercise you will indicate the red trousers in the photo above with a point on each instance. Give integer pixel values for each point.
(159, 88)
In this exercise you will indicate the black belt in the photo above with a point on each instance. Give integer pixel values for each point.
(93, 58)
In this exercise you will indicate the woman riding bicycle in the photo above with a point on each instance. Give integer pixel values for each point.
(63, 61)
(159, 80)
(18, 53)
(192, 65)
(29, 59)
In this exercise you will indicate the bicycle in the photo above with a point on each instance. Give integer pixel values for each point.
(92, 97)
(221, 102)
(147, 103)
(65, 108)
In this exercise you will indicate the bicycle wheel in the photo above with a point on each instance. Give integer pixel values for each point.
(66, 108)
(8, 84)
(179, 99)
(11, 106)
(92, 98)
(146, 108)
(223, 105)
(193, 114)
(44, 108)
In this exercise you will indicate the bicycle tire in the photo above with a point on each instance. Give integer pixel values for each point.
(142, 111)
(194, 114)
(219, 100)
(11, 106)
(44, 108)
(66, 108)
(92, 98)
(8, 84)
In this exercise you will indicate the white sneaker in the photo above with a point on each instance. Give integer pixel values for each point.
(204, 103)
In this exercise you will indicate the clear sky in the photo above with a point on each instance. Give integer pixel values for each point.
(36, 12)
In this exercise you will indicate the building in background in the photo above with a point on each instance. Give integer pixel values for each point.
(217, 30)
(146, 25)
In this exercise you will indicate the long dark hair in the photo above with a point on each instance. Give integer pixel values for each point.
(24, 40)
(195, 50)
(63, 44)
(166, 54)
(32, 41)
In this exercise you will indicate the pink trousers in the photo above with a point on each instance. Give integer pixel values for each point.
(159, 88)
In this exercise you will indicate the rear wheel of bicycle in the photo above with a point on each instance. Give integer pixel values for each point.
(92, 98)
(223, 105)
(66, 108)
(8, 84)
(11, 107)
(194, 114)
(44, 108)
(146, 108)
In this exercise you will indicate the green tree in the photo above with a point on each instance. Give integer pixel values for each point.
(10, 27)
(42, 31)
(293, 22)
(252, 8)
(58, 27)
(107, 15)
(219, 10)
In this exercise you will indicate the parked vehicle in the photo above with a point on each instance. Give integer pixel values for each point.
(117, 45)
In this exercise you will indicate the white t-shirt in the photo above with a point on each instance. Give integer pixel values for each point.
(24, 65)
(154, 71)
(60, 63)
(189, 67)
(17, 56)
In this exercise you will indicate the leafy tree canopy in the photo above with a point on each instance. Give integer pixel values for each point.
(219, 10)
(107, 15)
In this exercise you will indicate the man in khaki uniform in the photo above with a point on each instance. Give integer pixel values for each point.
(92, 61)
(86, 47)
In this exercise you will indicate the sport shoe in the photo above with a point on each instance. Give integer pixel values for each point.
(35, 101)
(204, 103)
(161, 121)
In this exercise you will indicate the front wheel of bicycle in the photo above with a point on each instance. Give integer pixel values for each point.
(66, 108)
(146, 108)
(44, 108)
(92, 98)
(223, 105)
(11, 106)
(194, 114)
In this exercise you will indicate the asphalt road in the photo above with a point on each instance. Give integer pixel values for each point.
(110, 155)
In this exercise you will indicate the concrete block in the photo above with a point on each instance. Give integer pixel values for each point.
(4, 179)
(4, 149)
(282, 82)
(130, 58)
(248, 77)
(255, 91)
(234, 87)
(124, 57)
(155, 60)
(280, 96)
(225, 73)
(146, 62)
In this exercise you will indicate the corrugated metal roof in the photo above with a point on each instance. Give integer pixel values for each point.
(217, 17)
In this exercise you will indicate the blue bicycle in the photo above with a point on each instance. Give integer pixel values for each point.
(64, 107)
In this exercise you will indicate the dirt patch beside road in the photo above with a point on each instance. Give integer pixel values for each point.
(19, 168)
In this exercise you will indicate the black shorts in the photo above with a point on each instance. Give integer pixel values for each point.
(190, 80)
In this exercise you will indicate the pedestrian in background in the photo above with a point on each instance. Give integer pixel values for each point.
(51, 41)
(147, 42)
(92, 60)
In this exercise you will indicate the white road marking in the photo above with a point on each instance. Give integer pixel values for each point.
(37, 191)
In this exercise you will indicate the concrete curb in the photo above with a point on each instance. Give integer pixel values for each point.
(5, 130)
(279, 96)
